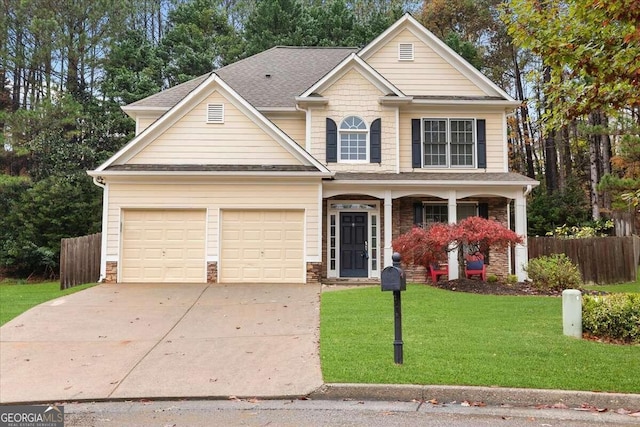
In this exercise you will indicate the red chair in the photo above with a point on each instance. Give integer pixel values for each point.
(475, 268)
(438, 270)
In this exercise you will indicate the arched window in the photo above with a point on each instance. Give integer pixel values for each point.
(353, 140)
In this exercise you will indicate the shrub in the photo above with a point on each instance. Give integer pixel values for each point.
(512, 279)
(615, 316)
(554, 272)
(492, 278)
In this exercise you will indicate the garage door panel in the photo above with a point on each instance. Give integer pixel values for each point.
(163, 246)
(267, 244)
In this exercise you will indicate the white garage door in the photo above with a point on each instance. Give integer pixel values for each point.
(163, 246)
(264, 246)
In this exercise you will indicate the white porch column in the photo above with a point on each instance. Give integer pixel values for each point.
(388, 229)
(521, 251)
(452, 213)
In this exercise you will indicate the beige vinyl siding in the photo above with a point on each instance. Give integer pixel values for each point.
(293, 125)
(237, 141)
(213, 197)
(144, 122)
(427, 74)
(495, 135)
(354, 95)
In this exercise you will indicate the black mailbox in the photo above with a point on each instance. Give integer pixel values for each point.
(393, 277)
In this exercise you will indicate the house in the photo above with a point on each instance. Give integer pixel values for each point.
(298, 164)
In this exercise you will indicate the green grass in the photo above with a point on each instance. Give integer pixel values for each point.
(17, 297)
(624, 287)
(465, 339)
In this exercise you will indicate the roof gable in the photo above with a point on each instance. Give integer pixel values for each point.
(353, 61)
(205, 89)
(409, 25)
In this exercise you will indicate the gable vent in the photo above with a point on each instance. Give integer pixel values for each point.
(215, 113)
(405, 51)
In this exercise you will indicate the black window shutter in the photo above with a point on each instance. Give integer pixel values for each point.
(481, 128)
(416, 140)
(483, 210)
(375, 138)
(332, 141)
(418, 217)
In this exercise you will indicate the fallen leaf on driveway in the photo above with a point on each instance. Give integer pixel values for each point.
(559, 406)
(465, 403)
(433, 401)
(635, 414)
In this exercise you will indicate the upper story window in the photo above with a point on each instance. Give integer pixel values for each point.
(448, 142)
(353, 140)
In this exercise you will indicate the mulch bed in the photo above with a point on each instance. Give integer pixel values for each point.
(477, 286)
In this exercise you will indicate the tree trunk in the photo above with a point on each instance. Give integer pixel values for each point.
(524, 113)
(594, 148)
(550, 150)
(605, 141)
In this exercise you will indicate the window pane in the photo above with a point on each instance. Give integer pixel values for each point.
(465, 210)
(461, 142)
(353, 123)
(436, 213)
(435, 143)
(353, 146)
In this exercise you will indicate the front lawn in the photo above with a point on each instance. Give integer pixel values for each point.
(17, 297)
(465, 339)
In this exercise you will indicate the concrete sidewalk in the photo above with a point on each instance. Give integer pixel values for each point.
(171, 341)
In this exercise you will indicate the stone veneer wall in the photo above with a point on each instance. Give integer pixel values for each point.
(112, 272)
(403, 222)
(212, 272)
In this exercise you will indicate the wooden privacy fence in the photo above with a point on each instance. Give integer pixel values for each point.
(601, 260)
(80, 260)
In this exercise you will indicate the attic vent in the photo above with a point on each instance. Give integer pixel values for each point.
(215, 113)
(405, 51)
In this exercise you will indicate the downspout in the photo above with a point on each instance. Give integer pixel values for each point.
(307, 127)
(99, 181)
(528, 190)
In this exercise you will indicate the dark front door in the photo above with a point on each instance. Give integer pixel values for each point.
(353, 245)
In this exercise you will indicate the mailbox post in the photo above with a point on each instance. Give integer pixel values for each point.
(394, 279)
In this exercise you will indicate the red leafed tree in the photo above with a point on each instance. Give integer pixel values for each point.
(424, 246)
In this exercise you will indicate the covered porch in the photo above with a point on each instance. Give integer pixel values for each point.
(364, 212)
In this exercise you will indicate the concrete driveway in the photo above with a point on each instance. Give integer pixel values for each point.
(130, 341)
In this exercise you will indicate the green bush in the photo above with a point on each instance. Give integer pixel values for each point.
(615, 316)
(512, 279)
(555, 271)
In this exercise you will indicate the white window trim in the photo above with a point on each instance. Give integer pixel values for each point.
(409, 46)
(474, 135)
(214, 120)
(333, 211)
(365, 131)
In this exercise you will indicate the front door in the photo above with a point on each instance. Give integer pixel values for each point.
(353, 244)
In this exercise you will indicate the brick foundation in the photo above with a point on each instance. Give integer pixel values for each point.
(111, 275)
(212, 272)
(314, 272)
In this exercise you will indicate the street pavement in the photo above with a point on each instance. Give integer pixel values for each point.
(254, 412)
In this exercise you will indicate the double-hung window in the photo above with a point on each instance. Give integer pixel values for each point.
(448, 142)
(353, 140)
(439, 212)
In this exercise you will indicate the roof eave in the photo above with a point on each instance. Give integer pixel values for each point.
(490, 102)
(395, 100)
(273, 174)
(419, 183)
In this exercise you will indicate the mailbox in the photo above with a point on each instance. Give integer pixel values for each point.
(393, 277)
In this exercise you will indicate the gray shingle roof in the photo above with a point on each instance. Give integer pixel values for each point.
(427, 177)
(290, 71)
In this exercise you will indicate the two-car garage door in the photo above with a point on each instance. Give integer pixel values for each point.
(255, 246)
